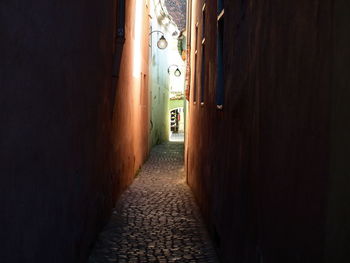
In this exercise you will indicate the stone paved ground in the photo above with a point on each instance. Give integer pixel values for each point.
(156, 219)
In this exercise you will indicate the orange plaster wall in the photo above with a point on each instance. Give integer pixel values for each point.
(131, 112)
(70, 140)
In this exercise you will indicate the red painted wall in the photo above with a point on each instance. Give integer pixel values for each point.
(67, 149)
(260, 168)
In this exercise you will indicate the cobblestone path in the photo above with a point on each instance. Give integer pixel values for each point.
(156, 219)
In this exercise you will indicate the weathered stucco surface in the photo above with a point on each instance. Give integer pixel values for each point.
(64, 155)
(260, 169)
(338, 214)
(159, 81)
(132, 103)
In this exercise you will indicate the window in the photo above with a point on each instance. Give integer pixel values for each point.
(220, 6)
(150, 39)
(121, 19)
(195, 66)
(203, 75)
(143, 90)
(118, 42)
(203, 20)
(203, 55)
(220, 57)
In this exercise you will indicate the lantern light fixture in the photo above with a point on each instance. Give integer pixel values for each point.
(177, 72)
(162, 42)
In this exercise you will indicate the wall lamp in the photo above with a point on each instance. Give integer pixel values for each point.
(177, 71)
(162, 42)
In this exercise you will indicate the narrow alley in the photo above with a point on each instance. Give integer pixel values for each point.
(189, 131)
(156, 219)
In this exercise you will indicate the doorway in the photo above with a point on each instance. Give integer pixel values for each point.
(177, 125)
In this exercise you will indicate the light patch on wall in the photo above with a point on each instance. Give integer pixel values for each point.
(137, 41)
(165, 21)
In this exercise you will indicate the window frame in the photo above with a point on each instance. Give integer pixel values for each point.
(203, 55)
(220, 68)
(195, 65)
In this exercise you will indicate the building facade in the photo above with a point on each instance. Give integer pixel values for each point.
(74, 121)
(266, 144)
(161, 25)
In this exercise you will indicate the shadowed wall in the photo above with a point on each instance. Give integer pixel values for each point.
(60, 149)
(338, 214)
(261, 168)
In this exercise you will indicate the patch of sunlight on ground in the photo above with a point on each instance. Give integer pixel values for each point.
(177, 137)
